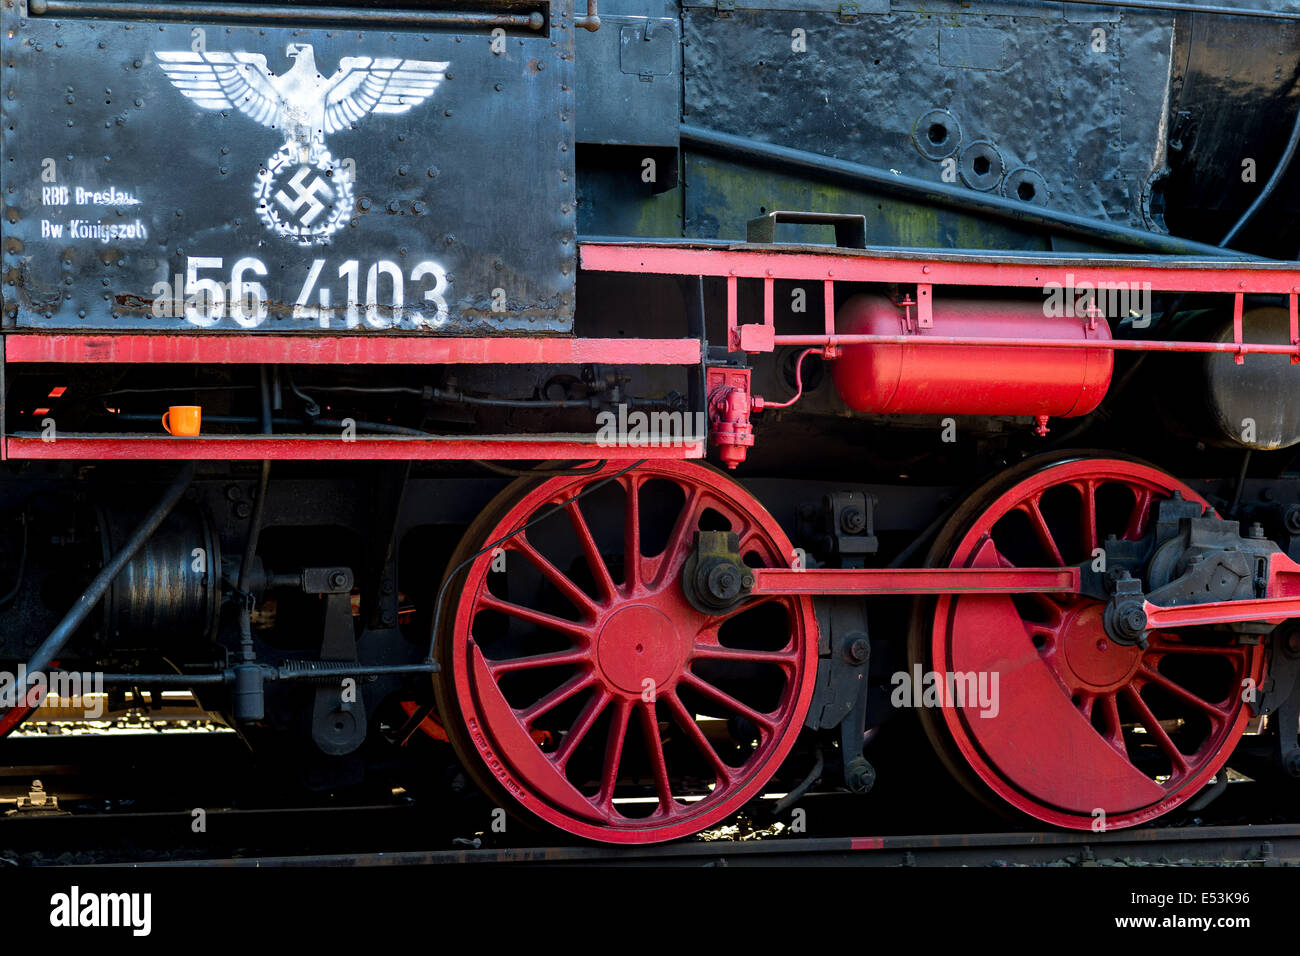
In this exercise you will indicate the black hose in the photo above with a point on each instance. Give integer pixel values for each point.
(539, 472)
(1278, 172)
(1209, 794)
(64, 630)
(795, 795)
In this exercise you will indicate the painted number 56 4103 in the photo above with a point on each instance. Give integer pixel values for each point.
(378, 300)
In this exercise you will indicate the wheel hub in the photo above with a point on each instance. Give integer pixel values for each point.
(1093, 657)
(638, 644)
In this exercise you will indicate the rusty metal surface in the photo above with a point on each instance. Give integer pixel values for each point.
(153, 168)
(1019, 77)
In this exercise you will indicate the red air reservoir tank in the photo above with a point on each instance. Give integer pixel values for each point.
(969, 379)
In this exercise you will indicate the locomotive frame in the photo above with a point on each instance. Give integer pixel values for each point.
(1113, 639)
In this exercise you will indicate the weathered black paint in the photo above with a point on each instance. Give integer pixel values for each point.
(477, 178)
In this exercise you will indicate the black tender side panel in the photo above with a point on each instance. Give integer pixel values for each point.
(202, 167)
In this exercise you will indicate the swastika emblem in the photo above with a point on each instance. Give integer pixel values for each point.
(303, 194)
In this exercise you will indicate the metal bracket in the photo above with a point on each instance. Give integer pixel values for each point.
(724, 8)
(338, 725)
(848, 13)
(37, 802)
(850, 228)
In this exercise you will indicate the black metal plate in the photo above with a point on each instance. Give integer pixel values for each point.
(435, 155)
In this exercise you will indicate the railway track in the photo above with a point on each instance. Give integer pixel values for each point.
(1264, 846)
(350, 834)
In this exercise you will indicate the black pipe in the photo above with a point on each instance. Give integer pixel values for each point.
(795, 795)
(1209, 794)
(63, 631)
(1182, 7)
(1279, 171)
(941, 194)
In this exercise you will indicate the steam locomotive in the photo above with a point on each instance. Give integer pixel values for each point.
(651, 408)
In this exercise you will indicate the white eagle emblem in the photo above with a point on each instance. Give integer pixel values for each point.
(303, 194)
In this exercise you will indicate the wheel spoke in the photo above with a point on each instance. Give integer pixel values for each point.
(726, 700)
(686, 720)
(655, 747)
(716, 652)
(679, 540)
(716, 620)
(573, 685)
(1152, 724)
(1151, 675)
(550, 622)
(1043, 532)
(613, 750)
(1054, 608)
(590, 711)
(632, 535)
(591, 552)
(1088, 516)
(1114, 734)
(1084, 704)
(580, 600)
(532, 661)
(1137, 522)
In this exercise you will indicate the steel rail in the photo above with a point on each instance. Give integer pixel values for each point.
(1269, 844)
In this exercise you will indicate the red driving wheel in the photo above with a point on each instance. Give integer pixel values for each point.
(1082, 725)
(577, 681)
(10, 719)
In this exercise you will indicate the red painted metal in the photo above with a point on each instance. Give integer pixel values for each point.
(1109, 345)
(730, 404)
(1271, 609)
(760, 403)
(11, 718)
(903, 379)
(316, 448)
(202, 348)
(1062, 742)
(628, 653)
(1253, 278)
(929, 270)
(781, 581)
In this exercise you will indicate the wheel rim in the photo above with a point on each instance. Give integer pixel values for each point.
(11, 718)
(545, 665)
(1083, 724)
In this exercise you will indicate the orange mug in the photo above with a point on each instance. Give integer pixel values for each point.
(182, 420)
